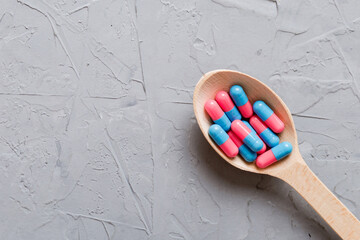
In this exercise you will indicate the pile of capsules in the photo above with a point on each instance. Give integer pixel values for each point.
(249, 138)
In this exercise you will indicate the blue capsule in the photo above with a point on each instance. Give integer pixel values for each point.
(223, 140)
(227, 105)
(244, 151)
(274, 154)
(249, 126)
(224, 122)
(238, 94)
(247, 154)
(254, 132)
(217, 114)
(282, 150)
(233, 114)
(268, 116)
(269, 138)
(262, 110)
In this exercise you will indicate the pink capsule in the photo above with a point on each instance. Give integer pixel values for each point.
(268, 116)
(235, 139)
(229, 148)
(223, 140)
(265, 159)
(226, 104)
(254, 132)
(257, 124)
(274, 154)
(262, 150)
(244, 151)
(246, 109)
(265, 133)
(276, 124)
(241, 101)
(244, 133)
(217, 115)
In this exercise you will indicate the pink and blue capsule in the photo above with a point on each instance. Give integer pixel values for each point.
(274, 154)
(217, 115)
(241, 100)
(227, 105)
(223, 140)
(265, 133)
(253, 131)
(244, 151)
(268, 116)
(251, 140)
(249, 126)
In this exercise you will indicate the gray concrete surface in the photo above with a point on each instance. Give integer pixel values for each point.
(98, 138)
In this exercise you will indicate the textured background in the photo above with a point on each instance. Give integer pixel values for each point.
(98, 136)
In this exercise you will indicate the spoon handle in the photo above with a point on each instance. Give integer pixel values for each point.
(329, 207)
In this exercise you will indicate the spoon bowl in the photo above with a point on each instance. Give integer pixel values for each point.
(291, 169)
(218, 80)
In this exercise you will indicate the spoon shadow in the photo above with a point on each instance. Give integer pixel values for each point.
(261, 187)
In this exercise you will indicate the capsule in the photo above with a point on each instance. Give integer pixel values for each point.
(268, 116)
(244, 133)
(244, 151)
(227, 105)
(238, 94)
(253, 131)
(265, 133)
(217, 115)
(274, 154)
(223, 140)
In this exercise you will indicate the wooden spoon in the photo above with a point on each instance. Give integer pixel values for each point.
(291, 169)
